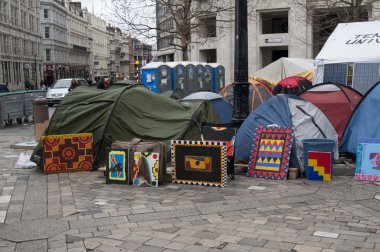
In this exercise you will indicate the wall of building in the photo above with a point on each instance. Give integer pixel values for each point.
(263, 44)
(165, 53)
(100, 47)
(20, 44)
(53, 39)
(54, 28)
(78, 41)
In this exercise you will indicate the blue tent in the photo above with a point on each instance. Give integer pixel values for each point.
(364, 122)
(219, 105)
(307, 121)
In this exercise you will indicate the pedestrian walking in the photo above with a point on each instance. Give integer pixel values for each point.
(74, 84)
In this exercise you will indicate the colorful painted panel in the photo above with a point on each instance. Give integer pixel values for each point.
(319, 166)
(145, 169)
(270, 153)
(117, 168)
(67, 153)
(368, 159)
(199, 163)
(226, 134)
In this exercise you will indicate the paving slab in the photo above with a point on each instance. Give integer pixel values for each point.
(163, 215)
(32, 246)
(248, 215)
(33, 230)
(75, 224)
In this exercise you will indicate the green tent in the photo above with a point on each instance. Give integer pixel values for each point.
(123, 112)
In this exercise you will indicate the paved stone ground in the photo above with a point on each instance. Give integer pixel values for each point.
(79, 212)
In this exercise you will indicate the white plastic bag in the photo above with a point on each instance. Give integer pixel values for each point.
(24, 162)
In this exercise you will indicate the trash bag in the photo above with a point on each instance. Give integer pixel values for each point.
(24, 162)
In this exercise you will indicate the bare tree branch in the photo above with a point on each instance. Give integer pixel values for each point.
(174, 22)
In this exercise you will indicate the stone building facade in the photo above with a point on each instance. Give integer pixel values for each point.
(100, 48)
(67, 40)
(20, 44)
(275, 29)
(54, 25)
(80, 41)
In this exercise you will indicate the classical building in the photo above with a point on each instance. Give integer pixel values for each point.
(114, 50)
(80, 41)
(140, 54)
(54, 25)
(76, 43)
(67, 40)
(100, 48)
(20, 44)
(124, 57)
(275, 29)
(119, 54)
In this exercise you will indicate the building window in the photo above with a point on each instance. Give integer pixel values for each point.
(274, 22)
(207, 27)
(167, 24)
(47, 54)
(164, 42)
(209, 56)
(15, 46)
(47, 32)
(3, 11)
(4, 43)
(31, 23)
(14, 15)
(162, 11)
(46, 13)
(23, 19)
(25, 47)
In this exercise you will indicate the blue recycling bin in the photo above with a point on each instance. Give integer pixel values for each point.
(318, 158)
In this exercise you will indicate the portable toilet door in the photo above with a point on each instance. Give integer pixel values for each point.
(200, 77)
(179, 72)
(208, 74)
(164, 79)
(191, 80)
(219, 80)
(149, 74)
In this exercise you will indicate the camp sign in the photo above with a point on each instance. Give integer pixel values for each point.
(370, 38)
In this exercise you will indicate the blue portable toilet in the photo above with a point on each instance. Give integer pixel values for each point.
(157, 77)
(149, 75)
(191, 80)
(164, 79)
(219, 79)
(203, 83)
(208, 78)
(178, 70)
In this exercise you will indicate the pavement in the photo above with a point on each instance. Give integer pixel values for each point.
(79, 212)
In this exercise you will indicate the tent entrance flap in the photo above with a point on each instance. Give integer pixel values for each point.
(313, 120)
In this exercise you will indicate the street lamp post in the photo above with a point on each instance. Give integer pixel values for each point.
(241, 85)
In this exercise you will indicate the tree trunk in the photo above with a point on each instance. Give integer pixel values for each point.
(185, 55)
(184, 47)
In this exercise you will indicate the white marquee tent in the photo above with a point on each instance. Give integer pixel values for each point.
(285, 67)
(351, 56)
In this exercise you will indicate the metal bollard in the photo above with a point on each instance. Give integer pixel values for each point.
(40, 110)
